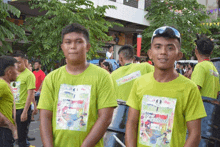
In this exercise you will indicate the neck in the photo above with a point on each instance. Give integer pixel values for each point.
(202, 58)
(5, 79)
(76, 69)
(128, 61)
(165, 75)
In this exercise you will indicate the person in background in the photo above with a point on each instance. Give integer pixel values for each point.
(109, 53)
(124, 77)
(101, 60)
(162, 93)
(77, 100)
(137, 59)
(23, 90)
(30, 67)
(39, 75)
(8, 128)
(189, 70)
(179, 68)
(205, 74)
(148, 60)
(107, 66)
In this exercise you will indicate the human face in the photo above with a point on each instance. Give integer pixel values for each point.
(30, 67)
(75, 47)
(36, 65)
(104, 67)
(164, 52)
(20, 65)
(111, 49)
(102, 63)
(12, 73)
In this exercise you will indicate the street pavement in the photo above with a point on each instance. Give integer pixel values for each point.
(34, 131)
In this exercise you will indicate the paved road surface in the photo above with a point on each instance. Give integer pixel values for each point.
(34, 131)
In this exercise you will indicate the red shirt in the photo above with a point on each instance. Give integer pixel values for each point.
(150, 62)
(39, 75)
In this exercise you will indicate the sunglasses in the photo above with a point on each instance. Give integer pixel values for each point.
(161, 30)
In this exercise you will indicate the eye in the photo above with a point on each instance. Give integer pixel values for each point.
(157, 47)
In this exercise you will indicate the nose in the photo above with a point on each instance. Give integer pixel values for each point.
(72, 45)
(163, 50)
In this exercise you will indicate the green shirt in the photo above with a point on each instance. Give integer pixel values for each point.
(25, 81)
(164, 109)
(125, 76)
(6, 100)
(75, 101)
(207, 77)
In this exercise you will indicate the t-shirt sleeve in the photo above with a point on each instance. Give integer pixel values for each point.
(133, 99)
(105, 93)
(46, 100)
(31, 82)
(198, 76)
(194, 107)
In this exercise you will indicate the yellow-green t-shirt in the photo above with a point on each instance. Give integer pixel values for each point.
(124, 77)
(25, 81)
(164, 109)
(6, 100)
(207, 77)
(75, 101)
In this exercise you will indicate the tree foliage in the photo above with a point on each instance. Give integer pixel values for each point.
(215, 35)
(9, 29)
(184, 15)
(46, 29)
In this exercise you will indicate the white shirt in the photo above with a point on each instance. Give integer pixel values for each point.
(108, 55)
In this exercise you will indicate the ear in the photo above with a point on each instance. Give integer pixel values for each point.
(149, 53)
(88, 47)
(180, 55)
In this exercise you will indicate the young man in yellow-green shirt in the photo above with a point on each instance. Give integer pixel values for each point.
(205, 74)
(23, 90)
(124, 77)
(164, 104)
(8, 129)
(77, 100)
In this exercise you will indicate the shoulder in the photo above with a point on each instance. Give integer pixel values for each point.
(96, 70)
(28, 73)
(3, 84)
(145, 79)
(56, 72)
(185, 82)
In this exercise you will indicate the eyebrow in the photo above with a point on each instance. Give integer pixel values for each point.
(75, 39)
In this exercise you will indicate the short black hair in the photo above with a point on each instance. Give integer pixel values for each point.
(101, 60)
(109, 46)
(37, 61)
(137, 58)
(204, 45)
(5, 62)
(127, 51)
(168, 33)
(109, 65)
(19, 54)
(75, 27)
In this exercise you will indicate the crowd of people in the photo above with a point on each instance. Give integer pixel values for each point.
(77, 101)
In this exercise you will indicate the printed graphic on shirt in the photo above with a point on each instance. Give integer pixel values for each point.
(73, 107)
(157, 115)
(214, 73)
(16, 90)
(128, 78)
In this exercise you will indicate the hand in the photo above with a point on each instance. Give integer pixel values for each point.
(35, 111)
(23, 116)
(15, 134)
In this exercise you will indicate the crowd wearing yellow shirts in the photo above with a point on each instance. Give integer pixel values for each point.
(78, 100)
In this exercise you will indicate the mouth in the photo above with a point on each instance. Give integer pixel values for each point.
(163, 60)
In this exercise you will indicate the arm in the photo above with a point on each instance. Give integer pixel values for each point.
(194, 128)
(199, 87)
(46, 127)
(27, 105)
(111, 56)
(35, 106)
(99, 128)
(132, 128)
(39, 90)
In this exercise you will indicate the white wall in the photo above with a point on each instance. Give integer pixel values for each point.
(126, 13)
